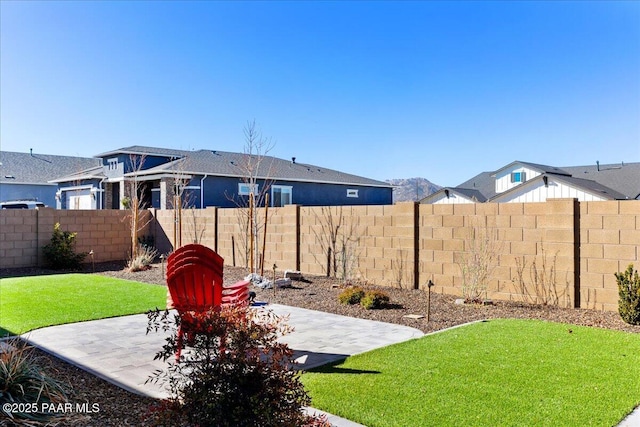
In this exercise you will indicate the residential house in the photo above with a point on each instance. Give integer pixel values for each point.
(530, 182)
(217, 178)
(28, 176)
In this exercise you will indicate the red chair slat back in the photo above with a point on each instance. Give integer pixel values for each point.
(194, 278)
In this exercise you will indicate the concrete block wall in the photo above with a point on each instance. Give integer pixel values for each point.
(23, 234)
(522, 237)
(105, 232)
(198, 226)
(609, 242)
(19, 238)
(282, 245)
(232, 241)
(379, 241)
(578, 246)
(162, 230)
(316, 225)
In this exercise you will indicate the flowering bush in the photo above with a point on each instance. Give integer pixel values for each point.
(234, 374)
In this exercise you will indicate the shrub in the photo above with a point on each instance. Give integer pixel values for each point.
(145, 257)
(24, 385)
(235, 374)
(351, 295)
(374, 299)
(629, 293)
(60, 253)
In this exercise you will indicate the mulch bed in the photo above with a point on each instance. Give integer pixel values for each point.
(121, 408)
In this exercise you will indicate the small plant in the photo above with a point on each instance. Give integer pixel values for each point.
(629, 293)
(146, 255)
(351, 295)
(235, 374)
(146, 241)
(126, 202)
(374, 299)
(60, 253)
(25, 389)
(477, 261)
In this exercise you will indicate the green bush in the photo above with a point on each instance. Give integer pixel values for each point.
(629, 293)
(27, 388)
(374, 299)
(351, 295)
(60, 253)
(235, 373)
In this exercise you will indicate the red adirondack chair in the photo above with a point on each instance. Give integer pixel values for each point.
(195, 282)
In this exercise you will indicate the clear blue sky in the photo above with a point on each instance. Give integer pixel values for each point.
(441, 90)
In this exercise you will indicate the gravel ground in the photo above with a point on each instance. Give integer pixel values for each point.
(121, 408)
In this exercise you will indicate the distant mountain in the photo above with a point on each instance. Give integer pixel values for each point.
(412, 189)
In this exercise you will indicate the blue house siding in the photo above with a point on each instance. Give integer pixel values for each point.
(124, 164)
(216, 176)
(41, 192)
(314, 194)
(222, 191)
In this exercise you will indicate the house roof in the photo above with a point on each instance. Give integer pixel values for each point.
(467, 193)
(32, 168)
(150, 151)
(535, 166)
(613, 181)
(584, 184)
(224, 163)
(622, 177)
(96, 172)
(483, 183)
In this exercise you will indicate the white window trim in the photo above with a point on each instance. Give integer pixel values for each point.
(352, 193)
(244, 189)
(112, 164)
(281, 187)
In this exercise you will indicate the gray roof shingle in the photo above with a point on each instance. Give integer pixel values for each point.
(224, 163)
(27, 168)
(622, 177)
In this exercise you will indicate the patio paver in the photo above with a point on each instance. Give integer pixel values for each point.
(118, 350)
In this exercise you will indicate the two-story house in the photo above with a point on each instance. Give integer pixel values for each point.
(530, 182)
(212, 178)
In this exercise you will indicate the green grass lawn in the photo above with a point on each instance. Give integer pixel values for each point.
(28, 303)
(494, 373)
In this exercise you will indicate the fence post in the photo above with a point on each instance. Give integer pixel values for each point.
(416, 245)
(576, 253)
(298, 238)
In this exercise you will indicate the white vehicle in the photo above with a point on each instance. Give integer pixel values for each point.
(21, 204)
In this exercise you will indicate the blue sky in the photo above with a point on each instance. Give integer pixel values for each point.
(441, 90)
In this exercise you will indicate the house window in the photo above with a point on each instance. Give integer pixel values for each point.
(518, 177)
(280, 195)
(352, 193)
(112, 164)
(244, 189)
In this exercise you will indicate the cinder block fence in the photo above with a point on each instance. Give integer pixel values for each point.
(562, 251)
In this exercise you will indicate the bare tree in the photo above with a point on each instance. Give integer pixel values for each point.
(255, 168)
(136, 200)
(180, 200)
(544, 288)
(339, 240)
(478, 260)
